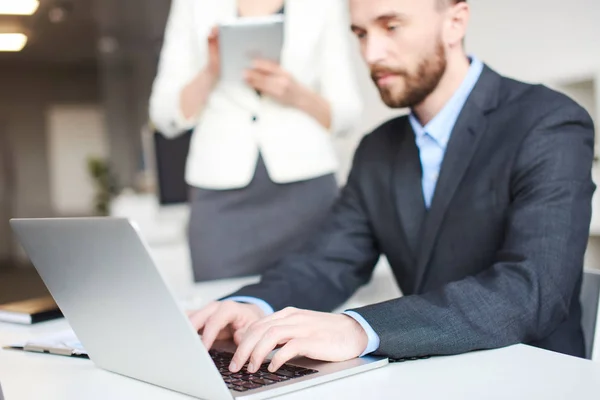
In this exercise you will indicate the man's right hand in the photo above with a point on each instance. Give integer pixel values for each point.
(222, 320)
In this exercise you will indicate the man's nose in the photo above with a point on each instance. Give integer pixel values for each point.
(374, 50)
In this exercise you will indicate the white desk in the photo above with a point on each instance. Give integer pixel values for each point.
(517, 372)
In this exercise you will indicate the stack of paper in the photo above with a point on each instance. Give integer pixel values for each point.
(63, 343)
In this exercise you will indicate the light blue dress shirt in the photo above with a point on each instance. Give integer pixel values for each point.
(432, 141)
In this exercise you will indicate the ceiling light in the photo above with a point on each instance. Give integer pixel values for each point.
(12, 41)
(18, 7)
(60, 11)
(57, 15)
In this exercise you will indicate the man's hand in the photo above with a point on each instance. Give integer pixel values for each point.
(221, 320)
(319, 336)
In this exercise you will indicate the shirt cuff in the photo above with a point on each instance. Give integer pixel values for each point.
(373, 338)
(263, 305)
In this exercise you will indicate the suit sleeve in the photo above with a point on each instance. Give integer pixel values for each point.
(182, 57)
(526, 294)
(333, 265)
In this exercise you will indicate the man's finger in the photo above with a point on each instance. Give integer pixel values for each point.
(198, 318)
(253, 334)
(240, 330)
(293, 348)
(238, 335)
(272, 338)
(218, 321)
(247, 344)
(285, 313)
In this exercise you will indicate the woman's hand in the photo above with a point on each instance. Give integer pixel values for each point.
(195, 94)
(270, 79)
(213, 66)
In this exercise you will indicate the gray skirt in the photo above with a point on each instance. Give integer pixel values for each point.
(243, 232)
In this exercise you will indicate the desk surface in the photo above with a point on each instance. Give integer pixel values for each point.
(517, 372)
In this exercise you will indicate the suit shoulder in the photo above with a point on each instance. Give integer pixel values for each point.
(540, 101)
(380, 144)
(386, 132)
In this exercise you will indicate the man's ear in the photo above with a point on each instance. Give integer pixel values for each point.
(455, 27)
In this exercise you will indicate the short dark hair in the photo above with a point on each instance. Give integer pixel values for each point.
(443, 3)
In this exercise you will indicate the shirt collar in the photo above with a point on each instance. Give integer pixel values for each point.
(441, 126)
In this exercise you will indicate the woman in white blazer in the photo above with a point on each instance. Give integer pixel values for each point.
(261, 163)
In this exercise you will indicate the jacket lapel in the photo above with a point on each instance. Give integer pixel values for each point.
(466, 136)
(304, 22)
(408, 191)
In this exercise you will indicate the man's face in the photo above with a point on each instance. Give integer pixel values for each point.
(401, 41)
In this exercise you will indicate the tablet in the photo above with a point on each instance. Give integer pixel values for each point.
(246, 39)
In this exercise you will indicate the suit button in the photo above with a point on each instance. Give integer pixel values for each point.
(254, 118)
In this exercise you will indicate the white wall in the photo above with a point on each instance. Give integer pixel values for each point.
(76, 133)
(536, 40)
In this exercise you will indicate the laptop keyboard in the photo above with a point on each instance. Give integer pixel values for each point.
(243, 381)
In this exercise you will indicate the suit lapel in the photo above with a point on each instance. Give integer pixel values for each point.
(408, 191)
(466, 136)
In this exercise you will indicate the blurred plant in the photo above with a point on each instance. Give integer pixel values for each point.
(105, 183)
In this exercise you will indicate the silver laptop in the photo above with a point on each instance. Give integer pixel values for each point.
(101, 275)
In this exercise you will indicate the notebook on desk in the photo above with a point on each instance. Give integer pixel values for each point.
(63, 343)
(30, 311)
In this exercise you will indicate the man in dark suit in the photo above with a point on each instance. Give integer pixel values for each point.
(480, 199)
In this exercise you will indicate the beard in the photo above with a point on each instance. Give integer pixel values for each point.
(417, 85)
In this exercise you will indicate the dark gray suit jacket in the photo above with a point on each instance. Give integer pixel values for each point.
(496, 260)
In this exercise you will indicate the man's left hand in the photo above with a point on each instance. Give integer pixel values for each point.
(319, 336)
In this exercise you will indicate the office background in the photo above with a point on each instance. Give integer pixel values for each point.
(80, 88)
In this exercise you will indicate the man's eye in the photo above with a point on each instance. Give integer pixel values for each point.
(393, 27)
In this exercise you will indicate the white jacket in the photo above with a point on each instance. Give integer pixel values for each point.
(226, 141)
